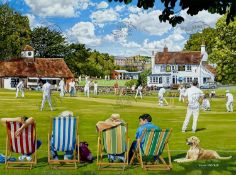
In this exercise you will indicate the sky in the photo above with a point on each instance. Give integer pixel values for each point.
(114, 28)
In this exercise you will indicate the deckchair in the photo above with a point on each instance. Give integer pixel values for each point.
(23, 144)
(154, 143)
(113, 141)
(63, 136)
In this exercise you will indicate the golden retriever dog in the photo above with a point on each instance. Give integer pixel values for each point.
(197, 153)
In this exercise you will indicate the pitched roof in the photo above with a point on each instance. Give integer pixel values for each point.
(28, 48)
(40, 67)
(210, 68)
(191, 57)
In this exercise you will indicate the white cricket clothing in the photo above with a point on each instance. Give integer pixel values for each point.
(95, 90)
(46, 95)
(195, 113)
(61, 86)
(139, 92)
(86, 88)
(19, 88)
(229, 103)
(230, 97)
(161, 92)
(193, 94)
(206, 104)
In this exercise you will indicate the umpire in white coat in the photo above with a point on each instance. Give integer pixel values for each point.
(46, 95)
(193, 94)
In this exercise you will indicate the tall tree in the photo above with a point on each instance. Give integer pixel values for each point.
(224, 51)
(170, 14)
(208, 35)
(14, 32)
(48, 43)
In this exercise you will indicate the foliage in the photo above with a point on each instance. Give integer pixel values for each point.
(83, 61)
(131, 83)
(14, 32)
(170, 14)
(143, 77)
(224, 51)
(195, 40)
(48, 43)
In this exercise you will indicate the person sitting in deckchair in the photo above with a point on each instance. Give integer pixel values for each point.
(25, 123)
(68, 154)
(145, 122)
(111, 122)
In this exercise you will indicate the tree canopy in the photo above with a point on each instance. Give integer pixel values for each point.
(48, 43)
(169, 13)
(221, 47)
(14, 32)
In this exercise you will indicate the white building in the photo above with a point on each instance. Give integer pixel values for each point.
(180, 67)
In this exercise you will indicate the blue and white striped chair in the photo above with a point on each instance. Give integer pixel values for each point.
(64, 137)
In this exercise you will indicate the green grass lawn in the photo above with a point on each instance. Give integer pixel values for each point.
(217, 129)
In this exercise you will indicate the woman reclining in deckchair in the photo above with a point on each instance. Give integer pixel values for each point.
(25, 123)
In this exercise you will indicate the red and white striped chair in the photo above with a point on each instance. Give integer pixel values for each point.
(23, 144)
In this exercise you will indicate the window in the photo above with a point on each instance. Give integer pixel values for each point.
(168, 68)
(168, 80)
(160, 80)
(188, 68)
(181, 68)
(189, 79)
(29, 54)
(163, 68)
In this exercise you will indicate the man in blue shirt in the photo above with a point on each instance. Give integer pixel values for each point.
(145, 123)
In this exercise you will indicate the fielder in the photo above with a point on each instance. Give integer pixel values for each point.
(206, 106)
(161, 93)
(229, 101)
(86, 88)
(46, 95)
(181, 93)
(139, 92)
(62, 88)
(95, 89)
(20, 88)
(72, 89)
(193, 94)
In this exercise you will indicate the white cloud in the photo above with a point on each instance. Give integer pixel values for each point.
(134, 9)
(131, 44)
(101, 17)
(32, 21)
(102, 5)
(119, 8)
(84, 33)
(59, 8)
(147, 22)
(193, 24)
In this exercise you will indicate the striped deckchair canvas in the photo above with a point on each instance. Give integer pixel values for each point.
(64, 133)
(114, 140)
(25, 143)
(154, 142)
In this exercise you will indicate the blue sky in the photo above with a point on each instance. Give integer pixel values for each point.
(112, 28)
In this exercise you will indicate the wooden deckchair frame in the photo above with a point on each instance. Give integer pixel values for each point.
(155, 165)
(74, 161)
(102, 165)
(10, 164)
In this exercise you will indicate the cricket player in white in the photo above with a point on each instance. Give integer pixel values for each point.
(72, 89)
(139, 92)
(95, 90)
(86, 88)
(181, 93)
(229, 101)
(62, 88)
(161, 93)
(206, 106)
(46, 95)
(20, 88)
(193, 94)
